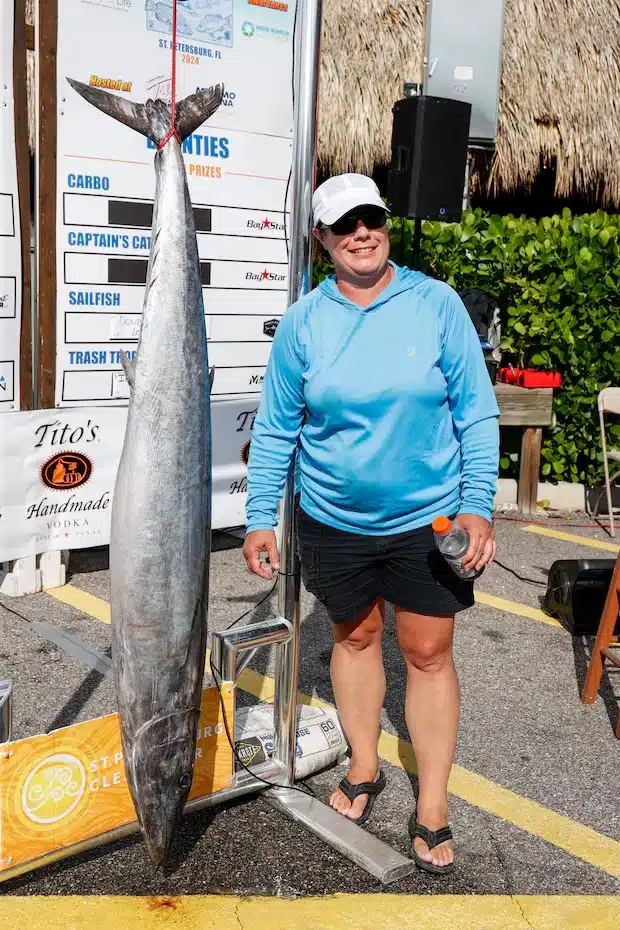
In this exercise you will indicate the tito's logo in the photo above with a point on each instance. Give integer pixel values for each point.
(66, 471)
(53, 788)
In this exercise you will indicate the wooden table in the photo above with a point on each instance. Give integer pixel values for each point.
(531, 409)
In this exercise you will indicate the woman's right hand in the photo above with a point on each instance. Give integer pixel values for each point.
(259, 541)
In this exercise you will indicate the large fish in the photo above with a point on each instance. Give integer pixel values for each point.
(161, 513)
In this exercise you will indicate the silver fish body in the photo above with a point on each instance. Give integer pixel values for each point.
(161, 512)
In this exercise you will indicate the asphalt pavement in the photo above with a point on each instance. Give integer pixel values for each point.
(534, 803)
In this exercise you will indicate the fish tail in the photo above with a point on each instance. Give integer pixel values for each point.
(152, 119)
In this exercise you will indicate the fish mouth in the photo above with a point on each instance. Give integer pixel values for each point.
(160, 773)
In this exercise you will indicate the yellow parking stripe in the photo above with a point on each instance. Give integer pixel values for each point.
(100, 609)
(513, 607)
(333, 912)
(577, 839)
(82, 600)
(573, 538)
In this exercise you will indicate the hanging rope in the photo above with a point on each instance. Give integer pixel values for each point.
(173, 88)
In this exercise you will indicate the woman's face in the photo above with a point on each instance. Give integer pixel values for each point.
(361, 254)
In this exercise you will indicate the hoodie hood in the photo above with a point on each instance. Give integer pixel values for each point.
(404, 280)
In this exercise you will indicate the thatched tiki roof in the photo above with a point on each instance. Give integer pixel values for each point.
(560, 90)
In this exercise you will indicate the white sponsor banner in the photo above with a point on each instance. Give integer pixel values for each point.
(10, 238)
(58, 470)
(237, 163)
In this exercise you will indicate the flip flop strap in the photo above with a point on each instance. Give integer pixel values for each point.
(432, 838)
(365, 787)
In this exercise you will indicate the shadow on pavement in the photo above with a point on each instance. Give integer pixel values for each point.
(582, 650)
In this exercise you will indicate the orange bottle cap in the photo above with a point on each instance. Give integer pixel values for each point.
(442, 525)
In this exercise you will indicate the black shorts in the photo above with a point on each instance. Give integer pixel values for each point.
(347, 572)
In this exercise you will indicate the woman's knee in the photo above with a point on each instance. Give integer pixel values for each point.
(427, 655)
(361, 633)
(426, 646)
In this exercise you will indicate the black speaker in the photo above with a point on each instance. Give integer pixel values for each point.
(576, 593)
(429, 156)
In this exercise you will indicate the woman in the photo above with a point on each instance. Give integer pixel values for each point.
(379, 376)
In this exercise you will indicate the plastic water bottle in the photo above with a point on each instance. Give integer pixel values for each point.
(453, 542)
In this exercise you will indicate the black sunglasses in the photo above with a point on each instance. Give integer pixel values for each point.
(371, 217)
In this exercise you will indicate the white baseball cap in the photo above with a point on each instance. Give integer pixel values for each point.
(336, 196)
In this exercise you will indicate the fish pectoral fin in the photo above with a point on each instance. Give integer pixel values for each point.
(195, 109)
(129, 367)
(211, 376)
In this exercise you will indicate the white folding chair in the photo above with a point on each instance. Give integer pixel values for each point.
(609, 402)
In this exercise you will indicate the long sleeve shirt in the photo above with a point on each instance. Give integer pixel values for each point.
(389, 407)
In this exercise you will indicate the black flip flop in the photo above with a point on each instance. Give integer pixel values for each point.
(371, 788)
(432, 838)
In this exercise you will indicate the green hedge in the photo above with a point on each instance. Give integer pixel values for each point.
(557, 282)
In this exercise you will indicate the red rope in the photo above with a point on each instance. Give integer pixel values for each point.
(173, 89)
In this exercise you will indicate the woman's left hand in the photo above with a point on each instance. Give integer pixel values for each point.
(482, 544)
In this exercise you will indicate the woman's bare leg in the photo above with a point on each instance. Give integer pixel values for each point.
(358, 680)
(432, 711)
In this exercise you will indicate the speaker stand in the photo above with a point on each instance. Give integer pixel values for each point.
(417, 240)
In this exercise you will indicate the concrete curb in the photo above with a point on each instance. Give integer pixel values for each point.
(563, 496)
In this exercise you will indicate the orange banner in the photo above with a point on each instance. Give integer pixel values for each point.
(60, 788)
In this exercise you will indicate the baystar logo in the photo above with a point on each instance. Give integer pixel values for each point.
(245, 452)
(264, 275)
(53, 789)
(66, 471)
(265, 224)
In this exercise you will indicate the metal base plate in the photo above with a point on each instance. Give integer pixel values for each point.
(341, 834)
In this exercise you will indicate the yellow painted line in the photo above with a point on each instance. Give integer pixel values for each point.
(82, 600)
(557, 829)
(331, 912)
(577, 839)
(573, 538)
(513, 607)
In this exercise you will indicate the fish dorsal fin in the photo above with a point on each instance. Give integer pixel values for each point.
(129, 367)
(152, 119)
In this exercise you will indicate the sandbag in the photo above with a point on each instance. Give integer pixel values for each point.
(320, 740)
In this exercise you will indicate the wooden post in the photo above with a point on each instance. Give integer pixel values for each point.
(26, 398)
(46, 34)
(531, 445)
(604, 636)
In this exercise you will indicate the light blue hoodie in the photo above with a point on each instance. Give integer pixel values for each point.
(402, 421)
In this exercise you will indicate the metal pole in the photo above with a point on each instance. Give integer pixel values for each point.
(6, 708)
(337, 831)
(466, 203)
(305, 83)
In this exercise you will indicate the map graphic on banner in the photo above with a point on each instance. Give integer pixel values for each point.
(238, 165)
(10, 239)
